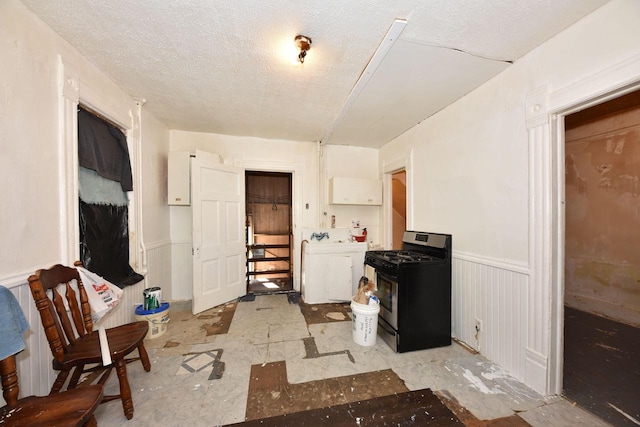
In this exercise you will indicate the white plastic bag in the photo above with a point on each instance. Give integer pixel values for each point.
(103, 295)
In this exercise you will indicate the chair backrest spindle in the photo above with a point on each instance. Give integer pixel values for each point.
(70, 408)
(66, 317)
(63, 318)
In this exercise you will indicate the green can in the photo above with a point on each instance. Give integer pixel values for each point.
(152, 298)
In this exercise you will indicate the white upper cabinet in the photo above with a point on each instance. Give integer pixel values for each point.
(179, 180)
(355, 191)
(179, 175)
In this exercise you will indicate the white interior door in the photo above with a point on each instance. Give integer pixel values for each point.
(219, 257)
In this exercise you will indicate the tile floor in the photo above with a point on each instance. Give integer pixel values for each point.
(201, 372)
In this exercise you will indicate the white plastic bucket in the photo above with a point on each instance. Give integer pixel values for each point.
(158, 319)
(365, 323)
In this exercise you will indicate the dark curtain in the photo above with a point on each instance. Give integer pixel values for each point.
(104, 243)
(104, 226)
(102, 147)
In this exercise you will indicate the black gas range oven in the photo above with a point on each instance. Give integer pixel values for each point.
(414, 288)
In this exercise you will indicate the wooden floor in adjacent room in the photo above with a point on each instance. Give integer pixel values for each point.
(602, 367)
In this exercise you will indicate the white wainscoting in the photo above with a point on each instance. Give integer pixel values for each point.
(495, 293)
(159, 268)
(34, 363)
(181, 271)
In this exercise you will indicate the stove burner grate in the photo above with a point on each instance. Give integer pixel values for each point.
(405, 256)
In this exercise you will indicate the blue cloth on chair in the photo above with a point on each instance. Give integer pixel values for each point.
(13, 324)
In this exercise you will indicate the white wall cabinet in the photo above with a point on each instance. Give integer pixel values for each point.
(355, 191)
(179, 175)
(179, 179)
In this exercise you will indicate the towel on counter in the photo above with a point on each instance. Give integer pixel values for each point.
(13, 324)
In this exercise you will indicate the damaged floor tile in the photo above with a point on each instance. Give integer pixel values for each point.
(275, 358)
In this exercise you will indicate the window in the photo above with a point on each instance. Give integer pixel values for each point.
(104, 178)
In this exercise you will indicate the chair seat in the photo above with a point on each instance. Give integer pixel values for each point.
(71, 408)
(122, 340)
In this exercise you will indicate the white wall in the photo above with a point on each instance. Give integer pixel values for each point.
(300, 158)
(471, 179)
(155, 149)
(33, 166)
(29, 165)
(155, 211)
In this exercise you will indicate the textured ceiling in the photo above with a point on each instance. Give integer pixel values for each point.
(228, 67)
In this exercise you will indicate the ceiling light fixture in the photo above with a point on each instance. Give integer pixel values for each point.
(303, 43)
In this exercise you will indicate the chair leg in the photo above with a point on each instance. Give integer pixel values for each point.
(125, 390)
(144, 357)
(75, 377)
(59, 382)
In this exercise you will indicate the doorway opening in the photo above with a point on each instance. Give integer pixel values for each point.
(399, 207)
(269, 232)
(602, 259)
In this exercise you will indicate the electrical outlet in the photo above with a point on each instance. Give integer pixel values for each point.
(478, 326)
(477, 334)
(478, 331)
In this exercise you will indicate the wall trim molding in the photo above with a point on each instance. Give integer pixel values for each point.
(536, 369)
(537, 107)
(159, 244)
(604, 308)
(18, 278)
(608, 83)
(503, 264)
(295, 167)
(389, 167)
(69, 85)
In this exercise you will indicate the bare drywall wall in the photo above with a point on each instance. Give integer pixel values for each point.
(602, 251)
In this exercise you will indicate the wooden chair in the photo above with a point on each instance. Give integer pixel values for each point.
(74, 344)
(69, 408)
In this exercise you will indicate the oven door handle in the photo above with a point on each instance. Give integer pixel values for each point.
(388, 329)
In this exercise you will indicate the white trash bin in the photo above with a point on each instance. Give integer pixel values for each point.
(365, 323)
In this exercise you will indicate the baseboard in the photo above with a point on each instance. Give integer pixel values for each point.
(603, 308)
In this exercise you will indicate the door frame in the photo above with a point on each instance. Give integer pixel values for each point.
(545, 112)
(394, 238)
(295, 167)
(388, 169)
(290, 220)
